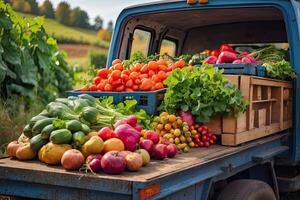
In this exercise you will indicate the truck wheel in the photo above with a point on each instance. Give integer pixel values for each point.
(246, 189)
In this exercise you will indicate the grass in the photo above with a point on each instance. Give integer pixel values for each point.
(62, 32)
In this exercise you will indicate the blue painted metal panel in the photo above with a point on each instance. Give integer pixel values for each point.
(243, 69)
(291, 21)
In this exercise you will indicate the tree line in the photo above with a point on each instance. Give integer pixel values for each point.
(63, 13)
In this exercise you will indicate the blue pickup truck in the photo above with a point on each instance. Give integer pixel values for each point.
(260, 169)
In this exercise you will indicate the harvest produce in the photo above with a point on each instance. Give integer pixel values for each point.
(171, 150)
(145, 156)
(113, 144)
(94, 145)
(52, 153)
(159, 151)
(134, 162)
(143, 76)
(12, 148)
(206, 93)
(25, 152)
(72, 159)
(203, 137)
(113, 163)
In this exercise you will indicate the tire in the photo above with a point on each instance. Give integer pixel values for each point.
(246, 189)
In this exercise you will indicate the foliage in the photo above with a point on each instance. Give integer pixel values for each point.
(46, 9)
(269, 54)
(62, 13)
(110, 26)
(32, 66)
(97, 59)
(78, 18)
(206, 93)
(34, 7)
(98, 23)
(280, 70)
(104, 34)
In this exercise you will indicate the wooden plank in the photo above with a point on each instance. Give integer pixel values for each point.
(247, 136)
(271, 82)
(281, 108)
(233, 79)
(216, 125)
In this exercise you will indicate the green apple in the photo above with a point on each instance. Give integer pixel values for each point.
(145, 156)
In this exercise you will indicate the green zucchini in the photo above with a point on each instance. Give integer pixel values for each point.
(85, 128)
(74, 125)
(47, 130)
(90, 114)
(79, 138)
(27, 131)
(39, 125)
(35, 119)
(62, 136)
(37, 142)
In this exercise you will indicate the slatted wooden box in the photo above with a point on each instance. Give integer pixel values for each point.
(270, 110)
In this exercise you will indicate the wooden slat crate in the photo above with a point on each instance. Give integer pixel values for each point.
(270, 110)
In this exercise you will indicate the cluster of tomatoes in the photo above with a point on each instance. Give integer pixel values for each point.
(204, 136)
(139, 77)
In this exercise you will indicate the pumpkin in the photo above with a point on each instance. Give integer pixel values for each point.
(52, 153)
(12, 148)
(25, 152)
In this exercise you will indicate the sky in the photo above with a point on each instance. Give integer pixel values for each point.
(107, 9)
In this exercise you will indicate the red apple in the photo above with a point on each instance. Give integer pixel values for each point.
(72, 159)
(160, 151)
(145, 156)
(95, 164)
(147, 145)
(134, 162)
(105, 133)
(113, 163)
(93, 156)
(124, 153)
(171, 150)
(152, 135)
(138, 127)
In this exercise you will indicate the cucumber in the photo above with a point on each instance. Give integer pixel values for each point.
(35, 119)
(61, 136)
(90, 114)
(79, 138)
(39, 125)
(74, 125)
(44, 113)
(37, 142)
(27, 131)
(85, 128)
(47, 130)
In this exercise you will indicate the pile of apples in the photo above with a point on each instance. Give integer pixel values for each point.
(115, 150)
(139, 77)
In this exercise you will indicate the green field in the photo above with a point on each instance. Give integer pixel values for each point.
(78, 35)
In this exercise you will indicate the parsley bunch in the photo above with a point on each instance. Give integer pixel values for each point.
(202, 91)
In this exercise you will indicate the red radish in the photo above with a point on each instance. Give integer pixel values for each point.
(244, 53)
(93, 156)
(171, 150)
(120, 122)
(237, 61)
(95, 165)
(215, 53)
(152, 135)
(246, 60)
(219, 61)
(105, 133)
(131, 120)
(211, 60)
(147, 145)
(226, 47)
(159, 151)
(187, 117)
(228, 57)
(138, 127)
(253, 60)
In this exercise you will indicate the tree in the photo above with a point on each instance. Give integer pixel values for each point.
(104, 34)
(98, 23)
(46, 9)
(34, 7)
(62, 13)
(27, 7)
(110, 26)
(18, 5)
(79, 18)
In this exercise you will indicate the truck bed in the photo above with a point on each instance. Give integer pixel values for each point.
(36, 173)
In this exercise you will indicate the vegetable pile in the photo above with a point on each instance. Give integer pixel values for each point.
(206, 93)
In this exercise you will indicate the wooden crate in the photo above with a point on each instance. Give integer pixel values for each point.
(270, 110)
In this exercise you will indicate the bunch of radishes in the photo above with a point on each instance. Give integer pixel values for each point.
(227, 54)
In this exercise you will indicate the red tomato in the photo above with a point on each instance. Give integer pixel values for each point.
(206, 51)
(226, 47)
(84, 89)
(155, 78)
(138, 67)
(152, 65)
(120, 88)
(126, 71)
(100, 87)
(137, 81)
(162, 62)
(151, 73)
(124, 77)
(180, 64)
(135, 87)
(97, 80)
(142, 76)
(144, 69)
(129, 90)
(93, 87)
(116, 61)
(215, 53)
(134, 75)
(110, 80)
(118, 66)
(108, 88)
(129, 83)
(103, 73)
(116, 83)
(116, 74)
(162, 68)
(159, 86)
